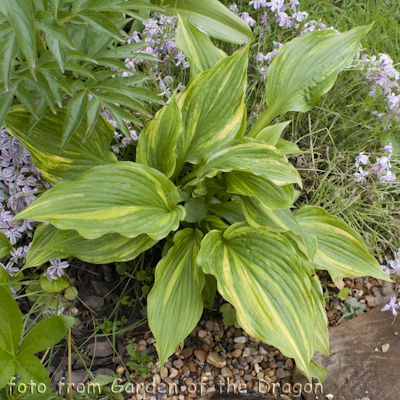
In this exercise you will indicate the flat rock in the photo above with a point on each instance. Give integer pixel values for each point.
(216, 360)
(100, 349)
(354, 367)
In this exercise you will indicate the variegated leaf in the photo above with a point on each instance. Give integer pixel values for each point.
(259, 158)
(158, 140)
(305, 69)
(49, 242)
(125, 198)
(282, 220)
(209, 120)
(177, 292)
(340, 249)
(44, 144)
(5, 246)
(213, 16)
(259, 273)
(200, 52)
(259, 186)
(271, 134)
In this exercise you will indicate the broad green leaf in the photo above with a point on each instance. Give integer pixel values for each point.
(210, 121)
(157, 142)
(213, 16)
(8, 52)
(340, 249)
(282, 220)
(126, 198)
(200, 52)
(260, 158)
(7, 367)
(259, 273)
(271, 134)
(231, 211)
(49, 242)
(44, 144)
(30, 369)
(288, 148)
(101, 23)
(195, 209)
(75, 112)
(305, 69)
(53, 286)
(259, 186)
(4, 277)
(10, 321)
(177, 291)
(209, 291)
(5, 246)
(55, 5)
(46, 22)
(20, 16)
(46, 333)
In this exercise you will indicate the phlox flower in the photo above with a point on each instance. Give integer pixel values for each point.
(275, 5)
(49, 274)
(234, 8)
(246, 17)
(389, 148)
(395, 265)
(361, 176)
(392, 306)
(11, 270)
(258, 3)
(284, 20)
(388, 177)
(57, 266)
(361, 158)
(386, 270)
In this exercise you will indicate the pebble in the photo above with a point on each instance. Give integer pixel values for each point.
(215, 359)
(209, 325)
(192, 366)
(240, 339)
(202, 334)
(173, 373)
(236, 353)
(385, 347)
(371, 301)
(262, 351)
(178, 363)
(164, 372)
(289, 364)
(280, 373)
(226, 372)
(187, 352)
(246, 352)
(201, 355)
(157, 379)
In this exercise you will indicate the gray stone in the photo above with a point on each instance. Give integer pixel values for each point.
(95, 303)
(78, 377)
(226, 372)
(100, 349)
(240, 339)
(104, 371)
(209, 325)
(280, 373)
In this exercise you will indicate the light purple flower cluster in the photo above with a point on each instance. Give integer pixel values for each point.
(56, 269)
(381, 167)
(384, 76)
(393, 268)
(19, 181)
(159, 33)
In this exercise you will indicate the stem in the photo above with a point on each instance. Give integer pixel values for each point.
(265, 119)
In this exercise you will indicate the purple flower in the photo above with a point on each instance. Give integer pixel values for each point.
(246, 17)
(13, 235)
(395, 265)
(361, 176)
(16, 254)
(389, 148)
(57, 266)
(361, 158)
(388, 177)
(391, 306)
(50, 275)
(300, 16)
(275, 5)
(10, 268)
(258, 3)
(386, 270)
(260, 57)
(284, 20)
(234, 8)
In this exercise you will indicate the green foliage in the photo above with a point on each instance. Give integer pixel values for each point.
(351, 309)
(235, 230)
(229, 315)
(343, 293)
(66, 53)
(16, 353)
(139, 362)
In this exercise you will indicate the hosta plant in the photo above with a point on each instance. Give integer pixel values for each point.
(221, 198)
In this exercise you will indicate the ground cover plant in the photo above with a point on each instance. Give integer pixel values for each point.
(226, 199)
(238, 232)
